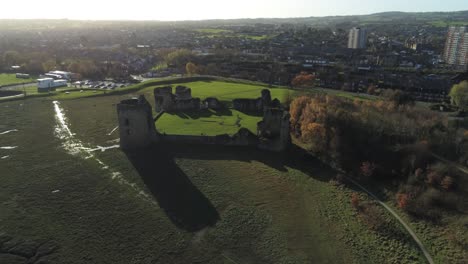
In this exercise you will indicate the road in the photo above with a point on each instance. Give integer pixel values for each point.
(405, 225)
(17, 86)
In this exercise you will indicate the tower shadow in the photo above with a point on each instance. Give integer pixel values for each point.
(182, 202)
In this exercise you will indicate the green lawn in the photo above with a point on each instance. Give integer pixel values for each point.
(207, 122)
(8, 79)
(213, 30)
(225, 91)
(211, 122)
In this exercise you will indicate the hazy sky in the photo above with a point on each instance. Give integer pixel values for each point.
(212, 9)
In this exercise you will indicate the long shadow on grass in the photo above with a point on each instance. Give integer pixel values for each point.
(183, 203)
(294, 158)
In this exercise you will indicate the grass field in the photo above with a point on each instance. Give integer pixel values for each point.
(173, 204)
(8, 79)
(213, 31)
(178, 204)
(207, 122)
(441, 23)
(225, 91)
(210, 122)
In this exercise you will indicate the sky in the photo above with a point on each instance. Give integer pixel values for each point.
(171, 10)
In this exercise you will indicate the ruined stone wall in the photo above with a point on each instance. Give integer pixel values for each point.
(254, 105)
(187, 105)
(137, 129)
(212, 103)
(242, 138)
(136, 125)
(274, 130)
(163, 98)
(183, 93)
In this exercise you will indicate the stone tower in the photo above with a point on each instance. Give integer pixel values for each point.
(136, 123)
(274, 130)
(164, 99)
(266, 99)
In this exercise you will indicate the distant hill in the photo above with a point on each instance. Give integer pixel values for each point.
(440, 19)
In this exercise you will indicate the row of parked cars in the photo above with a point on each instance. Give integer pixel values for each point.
(100, 85)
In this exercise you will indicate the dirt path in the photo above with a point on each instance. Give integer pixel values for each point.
(407, 227)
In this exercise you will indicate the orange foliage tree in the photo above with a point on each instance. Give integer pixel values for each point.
(402, 200)
(303, 79)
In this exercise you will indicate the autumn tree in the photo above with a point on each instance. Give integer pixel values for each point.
(48, 65)
(303, 79)
(459, 95)
(178, 58)
(402, 200)
(398, 97)
(371, 90)
(191, 68)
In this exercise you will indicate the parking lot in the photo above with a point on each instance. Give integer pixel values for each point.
(104, 85)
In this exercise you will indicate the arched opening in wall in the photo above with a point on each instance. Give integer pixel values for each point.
(127, 122)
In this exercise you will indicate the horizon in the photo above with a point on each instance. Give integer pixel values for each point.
(223, 19)
(146, 10)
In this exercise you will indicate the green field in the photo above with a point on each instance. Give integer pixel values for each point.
(172, 204)
(225, 91)
(441, 23)
(207, 122)
(213, 31)
(8, 79)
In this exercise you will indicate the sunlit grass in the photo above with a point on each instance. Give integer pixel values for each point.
(8, 79)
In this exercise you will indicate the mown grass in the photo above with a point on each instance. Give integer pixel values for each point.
(207, 122)
(9, 79)
(226, 91)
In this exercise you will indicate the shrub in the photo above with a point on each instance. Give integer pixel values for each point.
(373, 217)
(402, 200)
(433, 178)
(355, 201)
(367, 169)
(447, 183)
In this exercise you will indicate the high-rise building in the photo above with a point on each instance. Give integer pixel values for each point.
(456, 46)
(357, 38)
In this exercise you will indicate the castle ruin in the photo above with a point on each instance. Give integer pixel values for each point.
(138, 130)
(182, 100)
(136, 123)
(256, 105)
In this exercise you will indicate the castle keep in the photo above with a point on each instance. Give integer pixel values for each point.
(182, 100)
(137, 124)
